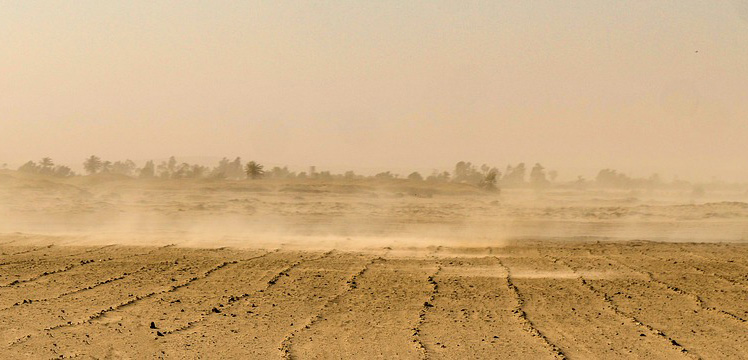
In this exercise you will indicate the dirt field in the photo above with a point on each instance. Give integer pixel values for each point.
(262, 270)
(524, 300)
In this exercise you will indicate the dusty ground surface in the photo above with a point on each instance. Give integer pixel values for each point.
(521, 300)
(117, 268)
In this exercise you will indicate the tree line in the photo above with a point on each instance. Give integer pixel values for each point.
(483, 176)
(172, 169)
(46, 167)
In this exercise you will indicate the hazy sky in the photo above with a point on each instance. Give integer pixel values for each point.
(641, 86)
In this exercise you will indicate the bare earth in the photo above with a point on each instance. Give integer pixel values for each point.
(252, 271)
(524, 300)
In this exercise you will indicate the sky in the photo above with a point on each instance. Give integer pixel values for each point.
(639, 86)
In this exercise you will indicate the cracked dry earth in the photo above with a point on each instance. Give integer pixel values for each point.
(530, 300)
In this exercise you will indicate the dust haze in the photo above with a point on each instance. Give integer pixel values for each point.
(188, 262)
(245, 205)
(640, 87)
(358, 180)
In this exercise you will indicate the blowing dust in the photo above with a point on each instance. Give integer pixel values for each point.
(336, 214)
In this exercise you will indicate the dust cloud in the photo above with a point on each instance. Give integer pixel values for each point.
(347, 223)
(356, 214)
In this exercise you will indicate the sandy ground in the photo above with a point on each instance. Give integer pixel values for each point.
(262, 270)
(524, 300)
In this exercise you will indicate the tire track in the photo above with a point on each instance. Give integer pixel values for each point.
(102, 313)
(286, 343)
(422, 313)
(233, 300)
(528, 326)
(630, 318)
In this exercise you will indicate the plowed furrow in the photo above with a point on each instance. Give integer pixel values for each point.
(705, 333)
(22, 253)
(424, 351)
(68, 267)
(720, 277)
(69, 283)
(51, 272)
(80, 290)
(695, 297)
(376, 318)
(522, 315)
(668, 341)
(129, 302)
(233, 300)
(286, 344)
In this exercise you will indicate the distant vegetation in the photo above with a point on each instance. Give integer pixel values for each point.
(46, 167)
(254, 170)
(485, 177)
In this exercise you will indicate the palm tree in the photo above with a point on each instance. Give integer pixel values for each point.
(92, 164)
(254, 170)
(489, 182)
(46, 166)
(47, 163)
